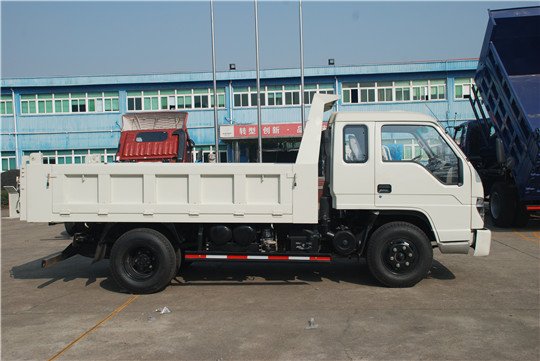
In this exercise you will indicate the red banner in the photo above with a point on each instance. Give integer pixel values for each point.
(284, 130)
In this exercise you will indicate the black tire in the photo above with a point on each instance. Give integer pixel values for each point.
(179, 259)
(399, 254)
(521, 218)
(181, 262)
(502, 204)
(143, 261)
(73, 227)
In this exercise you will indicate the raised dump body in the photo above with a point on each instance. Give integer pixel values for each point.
(509, 82)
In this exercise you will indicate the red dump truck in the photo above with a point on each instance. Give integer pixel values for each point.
(155, 137)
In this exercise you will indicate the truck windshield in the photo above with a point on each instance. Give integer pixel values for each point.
(423, 145)
(151, 137)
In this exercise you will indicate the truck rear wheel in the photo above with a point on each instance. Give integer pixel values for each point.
(399, 254)
(502, 205)
(143, 261)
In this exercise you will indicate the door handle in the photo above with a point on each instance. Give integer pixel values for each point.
(384, 188)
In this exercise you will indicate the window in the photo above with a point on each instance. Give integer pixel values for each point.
(397, 91)
(463, 88)
(254, 99)
(367, 92)
(8, 161)
(423, 145)
(292, 94)
(437, 89)
(183, 99)
(69, 103)
(275, 95)
(71, 156)
(200, 98)
(153, 100)
(78, 103)
(311, 90)
(355, 144)
(385, 91)
(420, 90)
(403, 91)
(151, 137)
(278, 95)
(6, 105)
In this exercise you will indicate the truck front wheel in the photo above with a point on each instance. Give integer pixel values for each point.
(143, 261)
(399, 254)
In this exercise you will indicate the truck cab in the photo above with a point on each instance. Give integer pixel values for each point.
(399, 162)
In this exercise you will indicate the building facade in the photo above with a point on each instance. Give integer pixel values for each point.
(67, 118)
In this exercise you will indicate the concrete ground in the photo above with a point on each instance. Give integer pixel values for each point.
(468, 309)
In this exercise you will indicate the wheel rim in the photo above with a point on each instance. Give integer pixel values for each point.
(400, 256)
(495, 205)
(141, 263)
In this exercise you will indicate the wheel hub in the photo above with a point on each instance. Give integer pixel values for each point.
(142, 262)
(401, 256)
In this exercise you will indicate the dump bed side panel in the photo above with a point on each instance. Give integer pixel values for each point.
(157, 192)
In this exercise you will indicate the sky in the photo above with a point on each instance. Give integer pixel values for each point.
(42, 39)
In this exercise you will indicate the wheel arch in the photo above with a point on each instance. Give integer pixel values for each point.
(111, 232)
(416, 218)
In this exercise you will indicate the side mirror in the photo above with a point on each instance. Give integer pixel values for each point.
(499, 151)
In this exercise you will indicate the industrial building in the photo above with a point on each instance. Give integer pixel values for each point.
(67, 118)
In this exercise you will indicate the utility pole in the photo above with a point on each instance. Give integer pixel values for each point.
(216, 125)
(259, 125)
(302, 103)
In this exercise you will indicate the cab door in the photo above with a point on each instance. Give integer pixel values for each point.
(353, 165)
(417, 169)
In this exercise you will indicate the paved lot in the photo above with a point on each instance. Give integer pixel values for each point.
(469, 309)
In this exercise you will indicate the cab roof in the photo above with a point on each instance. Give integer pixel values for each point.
(387, 116)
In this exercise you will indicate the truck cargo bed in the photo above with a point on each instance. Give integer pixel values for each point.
(527, 89)
(178, 192)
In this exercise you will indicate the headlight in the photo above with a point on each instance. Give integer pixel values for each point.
(480, 207)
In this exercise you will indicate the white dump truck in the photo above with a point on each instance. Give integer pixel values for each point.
(395, 187)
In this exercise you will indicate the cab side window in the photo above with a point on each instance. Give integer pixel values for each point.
(424, 146)
(355, 142)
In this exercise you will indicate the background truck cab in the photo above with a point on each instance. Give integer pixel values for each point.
(155, 137)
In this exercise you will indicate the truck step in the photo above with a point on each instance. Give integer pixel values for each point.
(207, 256)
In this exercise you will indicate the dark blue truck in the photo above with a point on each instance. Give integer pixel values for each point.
(504, 144)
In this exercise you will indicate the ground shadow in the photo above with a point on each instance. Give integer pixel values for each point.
(218, 273)
(68, 270)
(62, 236)
(439, 271)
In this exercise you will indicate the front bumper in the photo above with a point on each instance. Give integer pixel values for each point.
(481, 242)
